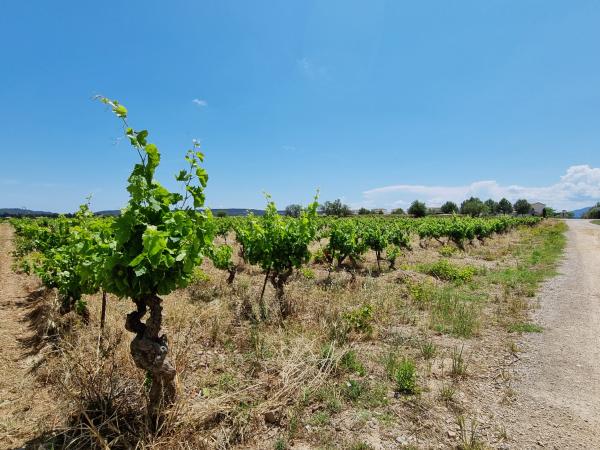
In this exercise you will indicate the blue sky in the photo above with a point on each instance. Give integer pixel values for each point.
(375, 102)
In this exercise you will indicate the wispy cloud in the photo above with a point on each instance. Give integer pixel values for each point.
(200, 102)
(288, 148)
(311, 70)
(578, 187)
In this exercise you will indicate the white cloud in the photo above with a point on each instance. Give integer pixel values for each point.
(288, 148)
(311, 70)
(578, 187)
(200, 102)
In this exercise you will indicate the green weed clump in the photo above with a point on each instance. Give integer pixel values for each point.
(307, 273)
(403, 372)
(406, 377)
(447, 251)
(360, 319)
(351, 363)
(447, 271)
(428, 350)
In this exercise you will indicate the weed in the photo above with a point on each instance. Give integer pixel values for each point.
(459, 364)
(328, 359)
(320, 419)
(329, 396)
(281, 444)
(420, 293)
(447, 271)
(307, 273)
(453, 312)
(199, 276)
(350, 362)
(390, 362)
(360, 446)
(260, 351)
(319, 256)
(378, 396)
(524, 327)
(447, 393)
(406, 377)
(447, 250)
(468, 437)
(514, 348)
(354, 389)
(428, 350)
(360, 319)
(293, 424)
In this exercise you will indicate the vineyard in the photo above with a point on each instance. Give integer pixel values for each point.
(281, 329)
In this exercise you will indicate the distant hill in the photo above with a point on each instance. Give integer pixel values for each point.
(240, 211)
(578, 213)
(228, 211)
(20, 212)
(108, 212)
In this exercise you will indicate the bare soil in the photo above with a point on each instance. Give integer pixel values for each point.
(558, 375)
(26, 407)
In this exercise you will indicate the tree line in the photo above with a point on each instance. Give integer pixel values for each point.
(472, 206)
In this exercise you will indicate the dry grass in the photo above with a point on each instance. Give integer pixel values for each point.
(244, 384)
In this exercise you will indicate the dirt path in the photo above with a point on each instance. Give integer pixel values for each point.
(25, 406)
(558, 379)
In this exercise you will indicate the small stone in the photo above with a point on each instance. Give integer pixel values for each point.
(451, 434)
(272, 417)
(402, 440)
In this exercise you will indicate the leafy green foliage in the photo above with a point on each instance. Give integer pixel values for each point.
(159, 238)
(345, 241)
(221, 258)
(278, 245)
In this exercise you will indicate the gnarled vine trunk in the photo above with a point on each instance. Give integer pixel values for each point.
(231, 277)
(278, 280)
(149, 350)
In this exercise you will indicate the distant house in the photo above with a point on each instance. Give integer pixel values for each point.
(537, 209)
(379, 211)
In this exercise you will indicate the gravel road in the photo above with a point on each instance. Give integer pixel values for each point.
(557, 382)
